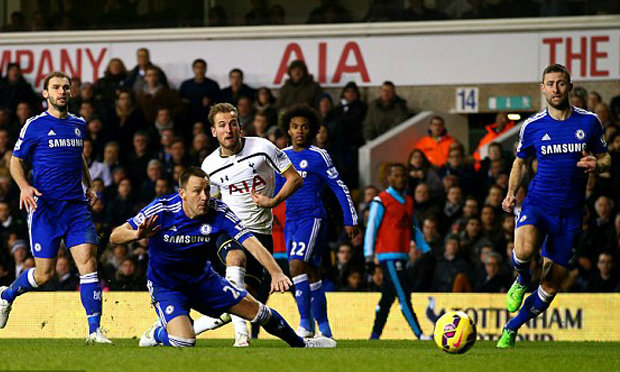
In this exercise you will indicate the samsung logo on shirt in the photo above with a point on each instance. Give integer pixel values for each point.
(562, 148)
(186, 239)
(65, 142)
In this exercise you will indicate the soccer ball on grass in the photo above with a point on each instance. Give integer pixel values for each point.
(455, 332)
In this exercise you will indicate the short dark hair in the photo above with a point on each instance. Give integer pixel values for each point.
(298, 63)
(392, 166)
(556, 67)
(199, 60)
(191, 171)
(223, 107)
(236, 70)
(389, 83)
(304, 111)
(51, 75)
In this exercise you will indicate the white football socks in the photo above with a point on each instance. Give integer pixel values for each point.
(236, 276)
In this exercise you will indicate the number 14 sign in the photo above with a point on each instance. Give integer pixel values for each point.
(466, 99)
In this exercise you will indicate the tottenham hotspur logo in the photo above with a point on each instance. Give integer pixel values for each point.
(78, 132)
(580, 134)
(205, 229)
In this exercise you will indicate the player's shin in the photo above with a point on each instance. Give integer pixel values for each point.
(534, 305)
(24, 283)
(303, 298)
(236, 276)
(91, 295)
(523, 268)
(273, 323)
(319, 308)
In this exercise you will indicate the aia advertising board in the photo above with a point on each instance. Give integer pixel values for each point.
(446, 59)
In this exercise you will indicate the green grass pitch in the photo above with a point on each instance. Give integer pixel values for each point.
(274, 356)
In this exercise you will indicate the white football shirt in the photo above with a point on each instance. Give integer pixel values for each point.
(251, 169)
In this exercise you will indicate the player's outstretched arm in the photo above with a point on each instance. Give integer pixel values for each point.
(279, 281)
(292, 184)
(126, 234)
(516, 174)
(27, 192)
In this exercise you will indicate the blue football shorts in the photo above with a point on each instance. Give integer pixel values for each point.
(54, 220)
(306, 239)
(211, 296)
(559, 232)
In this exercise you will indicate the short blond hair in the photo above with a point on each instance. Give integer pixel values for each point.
(221, 108)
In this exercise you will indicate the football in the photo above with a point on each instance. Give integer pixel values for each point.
(455, 332)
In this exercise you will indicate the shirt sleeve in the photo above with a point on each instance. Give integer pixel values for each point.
(597, 144)
(525, 147)
(277, 159)
(153, 208)
(230, 223)
(329, 173)
(26, 142)
(375, 216)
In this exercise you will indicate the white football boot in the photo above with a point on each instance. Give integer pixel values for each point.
(320, 342)
(148, 337)
(97, 337)
(5, 309)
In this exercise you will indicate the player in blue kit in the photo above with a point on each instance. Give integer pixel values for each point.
(57, 206)
(182, 229)
(569, 145)
(305, 232)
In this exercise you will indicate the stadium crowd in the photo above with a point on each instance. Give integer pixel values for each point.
(63, 15)
(142, 133)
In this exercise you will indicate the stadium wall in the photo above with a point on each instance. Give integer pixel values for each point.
(571, 317)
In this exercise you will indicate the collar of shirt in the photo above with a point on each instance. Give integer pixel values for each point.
(398, 196)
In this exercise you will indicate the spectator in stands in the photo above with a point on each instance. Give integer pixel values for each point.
(363, 207)
(594, 98)
(603, 113)
(436, 145)
(354, 280)
(87, 111)
(19, 251)
(385, 113)
(346, 131)
(156, 95)
(452, 272)
(420, 170)
(470, 209)
(6, 149)
(431, 235)
(11, 225)
(495, 197)
(123, 206)
(65, 279)
(237, 88)
(600, 235)
(376, 279)
(139, 158)
(154, 171)
(605, 279)
(127, 277)
(15, 89)
(162, 187)
(112, 257)
(344, 263)
(17, 24)
(5, 275)
(329, 12)
(217, 17)
(322, 140)
(383, 11)
(111, 158)
(300, 87)
(259, 125)
(110, 192)
(502, 124)
(265, 102)
(579, 98)
(200, 147)
(136, 80)
(22, 113)
(456, 166)
(258, 15)
(97, 136)
(124, 120)
(494, 281)
(107, 87)
(472, 239)
(490, 225)
(246, 111)
(97, 169)
(200, 91)
(424, 204)
(452, 209)
(417, 11)
(277, 15)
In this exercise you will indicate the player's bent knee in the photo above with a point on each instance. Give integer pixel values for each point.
(177, 341)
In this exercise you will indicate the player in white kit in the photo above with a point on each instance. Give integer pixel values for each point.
(241, 171)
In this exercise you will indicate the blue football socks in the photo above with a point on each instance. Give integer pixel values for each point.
(303, 298)
(535, 304)
(319, 308)
(91, 295)
(24, 283)
(523, 268)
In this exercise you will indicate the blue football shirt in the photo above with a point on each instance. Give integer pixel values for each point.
(559, 185)
(317, 170)
(178, 253)
(54, 147)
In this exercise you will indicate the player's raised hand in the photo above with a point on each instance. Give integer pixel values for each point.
(148, 227)
(588, 162)
(352, 231)
(509, 203)
(280, 283)
(26, 198)
(262, 200)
